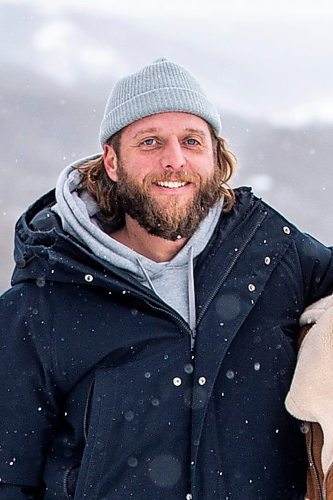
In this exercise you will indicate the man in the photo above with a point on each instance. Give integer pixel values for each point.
(148, 342)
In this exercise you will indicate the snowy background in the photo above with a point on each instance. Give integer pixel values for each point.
(268, 67)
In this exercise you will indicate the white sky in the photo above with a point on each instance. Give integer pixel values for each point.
(260, 10)
(265, 58)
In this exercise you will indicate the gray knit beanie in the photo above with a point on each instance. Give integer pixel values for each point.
(157, 88)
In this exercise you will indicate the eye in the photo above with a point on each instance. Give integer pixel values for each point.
(192, 142)
(149, 142)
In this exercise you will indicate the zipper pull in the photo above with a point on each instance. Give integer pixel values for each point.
(193, 334)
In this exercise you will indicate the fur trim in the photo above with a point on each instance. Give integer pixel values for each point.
(310, 397)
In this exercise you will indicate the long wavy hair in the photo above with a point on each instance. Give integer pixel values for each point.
(95, 180)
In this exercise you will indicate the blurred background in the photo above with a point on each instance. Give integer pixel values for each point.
(267, 66)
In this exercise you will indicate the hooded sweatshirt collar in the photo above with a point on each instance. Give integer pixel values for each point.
(173, 281)
(77, 213)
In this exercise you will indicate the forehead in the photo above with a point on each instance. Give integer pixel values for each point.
(171, 122)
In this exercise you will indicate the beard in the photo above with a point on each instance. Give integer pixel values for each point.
(175, 219)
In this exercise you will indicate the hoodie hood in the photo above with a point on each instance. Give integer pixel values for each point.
(172, 281)
(77, 213)
(44, 251)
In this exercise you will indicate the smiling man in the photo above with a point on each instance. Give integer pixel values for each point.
(166, 178)
(149, 339)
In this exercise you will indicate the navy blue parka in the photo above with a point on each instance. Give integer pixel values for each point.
(102, 396)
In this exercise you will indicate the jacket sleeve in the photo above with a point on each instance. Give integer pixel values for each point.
(28, 393)
(316, 262)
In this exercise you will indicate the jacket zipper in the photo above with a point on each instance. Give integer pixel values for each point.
(312, 463)
(64, 483)
(91, 386)
(231, 265)
(193, 332)
(193, 335)
(179, 321)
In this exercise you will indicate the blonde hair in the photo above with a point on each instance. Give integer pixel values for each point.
(95, 180)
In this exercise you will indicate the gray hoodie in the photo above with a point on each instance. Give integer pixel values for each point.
(172, 281)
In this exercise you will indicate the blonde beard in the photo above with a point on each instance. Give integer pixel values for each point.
(174, 220)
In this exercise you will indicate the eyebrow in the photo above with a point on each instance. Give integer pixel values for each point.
(195, 131)
(145, 131)
(155, 129)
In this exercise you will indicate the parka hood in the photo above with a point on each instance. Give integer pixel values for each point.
(45, 252)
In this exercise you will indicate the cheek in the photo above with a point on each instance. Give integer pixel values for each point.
(136, 165)
(207, 167)
(141, 172)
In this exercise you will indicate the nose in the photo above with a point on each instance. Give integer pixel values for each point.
(173, 155)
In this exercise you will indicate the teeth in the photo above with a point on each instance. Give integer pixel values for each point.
(170, 184)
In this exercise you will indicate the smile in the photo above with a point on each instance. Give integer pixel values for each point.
(171, 184)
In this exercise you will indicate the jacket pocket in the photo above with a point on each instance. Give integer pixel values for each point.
(136, 421)
(101, 400)
(70, 480)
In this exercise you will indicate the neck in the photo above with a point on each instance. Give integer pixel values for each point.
(153, 247)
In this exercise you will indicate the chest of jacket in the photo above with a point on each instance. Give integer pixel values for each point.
(132, 407)
(186, 413)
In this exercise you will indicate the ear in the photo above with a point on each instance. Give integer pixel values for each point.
(110, 162)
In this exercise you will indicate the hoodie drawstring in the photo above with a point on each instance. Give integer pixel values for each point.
(146, 275)
(191, 292)
(191, 297)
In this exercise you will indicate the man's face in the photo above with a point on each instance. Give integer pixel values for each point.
(165, 173)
